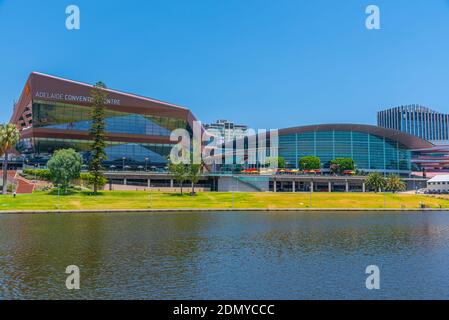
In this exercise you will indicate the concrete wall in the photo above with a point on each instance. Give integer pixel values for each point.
(186, 188)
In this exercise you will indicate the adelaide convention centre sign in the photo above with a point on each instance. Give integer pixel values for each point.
(71, 98)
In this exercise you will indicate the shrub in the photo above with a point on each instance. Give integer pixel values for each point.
(40, 174)
(278, 162)
(309, 163)
(11, 188)
(340, 165)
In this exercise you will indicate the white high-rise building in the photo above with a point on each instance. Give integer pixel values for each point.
(228, 130)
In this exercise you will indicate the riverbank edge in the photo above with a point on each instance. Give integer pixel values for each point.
(188, 210)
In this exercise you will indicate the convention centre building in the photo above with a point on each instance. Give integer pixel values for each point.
(54, 113)
(373, 148)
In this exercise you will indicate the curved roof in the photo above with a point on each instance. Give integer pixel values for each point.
(408, 140)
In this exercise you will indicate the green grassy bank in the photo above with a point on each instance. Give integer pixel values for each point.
(207, 200)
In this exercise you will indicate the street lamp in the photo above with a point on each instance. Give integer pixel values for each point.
(146, 164)
(123, 163)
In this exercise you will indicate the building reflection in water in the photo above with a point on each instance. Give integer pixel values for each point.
(224, 255)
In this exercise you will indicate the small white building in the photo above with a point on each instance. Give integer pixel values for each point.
(438, 183)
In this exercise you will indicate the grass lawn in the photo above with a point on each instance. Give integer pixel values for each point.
(159, 200)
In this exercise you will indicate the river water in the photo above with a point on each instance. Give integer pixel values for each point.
(232, 255)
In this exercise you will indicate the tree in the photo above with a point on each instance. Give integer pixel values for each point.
(193, 173)
(88, 180)
(395, 184)
(340, 165)
(309, 163)
(179, 171)
(97, 130)
(335, 168)
(64, 166)
(278, 161)
(375, 181)
(9, 136)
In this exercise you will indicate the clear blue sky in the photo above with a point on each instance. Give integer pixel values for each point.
(268, 64)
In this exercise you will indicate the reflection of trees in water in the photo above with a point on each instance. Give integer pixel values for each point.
(161, 251)
(173, 255)
(42, 246)
(140, 251)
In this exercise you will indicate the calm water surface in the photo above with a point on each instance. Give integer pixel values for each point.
(225, 255)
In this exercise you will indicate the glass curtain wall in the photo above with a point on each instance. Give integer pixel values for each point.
(61, 116)
(369, 152)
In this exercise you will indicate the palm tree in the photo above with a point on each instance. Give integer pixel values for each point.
(395, 184)
(9, 136)
(375, 181)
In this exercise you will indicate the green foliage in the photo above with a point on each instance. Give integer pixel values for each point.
(11, 188)
(39, 174)
(85, 177)
(278, 161)
(89, 180)
(342, 164)
(309, 163)
(395, 184)
(193, 173)
(9, 136)
(97, 132)
(44, 175)
(375, 181)
(64, 166)
(180, 172)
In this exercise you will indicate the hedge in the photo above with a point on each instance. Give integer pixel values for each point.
(41, 174)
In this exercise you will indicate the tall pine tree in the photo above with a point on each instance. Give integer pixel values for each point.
(97, 133)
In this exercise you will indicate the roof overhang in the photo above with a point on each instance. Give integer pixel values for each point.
(408, 140)
(43, 87)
